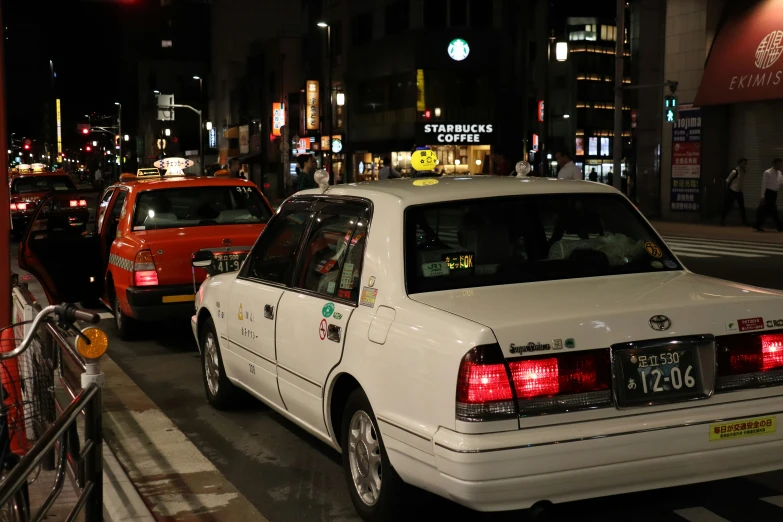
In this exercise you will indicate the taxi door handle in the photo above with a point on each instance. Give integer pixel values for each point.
(333, 333)
(269, 311)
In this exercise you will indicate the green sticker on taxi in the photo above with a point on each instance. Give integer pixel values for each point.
(328, 309)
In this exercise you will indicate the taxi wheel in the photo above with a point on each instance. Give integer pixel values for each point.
(124, 324)
(220, 391)
(374, 486)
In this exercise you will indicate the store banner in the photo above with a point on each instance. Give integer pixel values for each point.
(454, 133)
(278, 118)
(421, 104)
(312, 114)
(686, 160)
(244, 139)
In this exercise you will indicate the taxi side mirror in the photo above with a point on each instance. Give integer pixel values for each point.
(202, 259)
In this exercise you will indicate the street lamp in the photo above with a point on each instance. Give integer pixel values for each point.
(208, 125)
(561, 51)
(324, 25)
(340, 98)
(126, 138)
(167, 132)
(155, 92)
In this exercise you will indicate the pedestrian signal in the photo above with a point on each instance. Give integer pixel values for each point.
(670, 108)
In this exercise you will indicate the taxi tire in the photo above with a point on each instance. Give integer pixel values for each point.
(388, 507)
(227, 392)
(125, 325)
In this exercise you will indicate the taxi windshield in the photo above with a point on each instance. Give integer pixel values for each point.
(508, 240)
(31, 184)
(199, 206)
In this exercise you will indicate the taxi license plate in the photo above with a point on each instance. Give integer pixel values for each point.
(659, 374)
(743, 428)
(228, 262)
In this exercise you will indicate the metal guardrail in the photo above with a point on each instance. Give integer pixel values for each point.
(85, 464)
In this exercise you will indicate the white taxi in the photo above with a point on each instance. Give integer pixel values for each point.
(496, 341)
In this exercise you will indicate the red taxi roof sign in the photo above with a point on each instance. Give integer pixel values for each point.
(174, 166)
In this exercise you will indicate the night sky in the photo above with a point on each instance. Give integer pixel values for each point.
(79, 37)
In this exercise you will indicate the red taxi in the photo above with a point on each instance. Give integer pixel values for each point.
(28, 184)
(137, 259)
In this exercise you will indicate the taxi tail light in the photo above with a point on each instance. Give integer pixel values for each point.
(749, 361)
(18, 206)
(144, 272)
(483, 386)
(565, 382)
(78, 203)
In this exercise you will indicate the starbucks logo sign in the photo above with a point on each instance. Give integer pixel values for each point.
(458, 49)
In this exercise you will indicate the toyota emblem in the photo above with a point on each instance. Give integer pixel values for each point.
(660, 323)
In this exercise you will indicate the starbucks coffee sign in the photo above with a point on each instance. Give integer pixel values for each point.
(454, 133)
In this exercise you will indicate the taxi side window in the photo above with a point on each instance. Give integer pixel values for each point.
(274, 256)
(116, 213)
(332, 255)
(104, 204)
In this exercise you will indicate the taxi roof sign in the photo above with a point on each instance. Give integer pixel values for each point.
(23, 167)
(38, 167)
(174, 166)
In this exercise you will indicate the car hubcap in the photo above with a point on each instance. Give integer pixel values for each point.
(364, 456)
(211, 363)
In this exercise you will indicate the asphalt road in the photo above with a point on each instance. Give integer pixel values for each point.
(290, 476)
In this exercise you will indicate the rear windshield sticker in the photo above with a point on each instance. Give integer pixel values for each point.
(657, 264)
(670, 264)
(141, 227)
(346, 281)
(653, 250)
(459, 260)
(330, 288)
(368, 296)
(425, 182)
(435, 269)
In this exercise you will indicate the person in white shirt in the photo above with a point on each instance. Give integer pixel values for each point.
(771, 181)
(567, 168)
(733, 192)
(387, 171)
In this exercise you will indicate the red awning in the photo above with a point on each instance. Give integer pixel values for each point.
(745, 63)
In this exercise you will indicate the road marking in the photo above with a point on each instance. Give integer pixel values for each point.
(725, 241)
(699, 514)
(713, 251)
(777, 500)
(690, 254)
(729, 248)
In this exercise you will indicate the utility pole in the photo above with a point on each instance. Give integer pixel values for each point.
(619, 57)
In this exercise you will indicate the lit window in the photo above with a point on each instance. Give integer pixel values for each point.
(165, 43)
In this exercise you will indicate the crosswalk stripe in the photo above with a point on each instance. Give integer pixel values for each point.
(684, 246)
(776, 500)
(774, 248)
(691, 254)
(699, 514)
(760, 244)
(714, 251)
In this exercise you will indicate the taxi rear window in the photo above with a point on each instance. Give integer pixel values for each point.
(41, 184)
(519, 239)
(199, 206)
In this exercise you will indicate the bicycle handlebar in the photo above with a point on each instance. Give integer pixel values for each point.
(66, 313)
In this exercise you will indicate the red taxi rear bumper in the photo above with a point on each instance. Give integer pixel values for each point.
(161, 303)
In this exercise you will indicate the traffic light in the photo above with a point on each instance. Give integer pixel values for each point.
(88, 148)
(670, 108)
(84, 128)
(27, 144)
(427, 114)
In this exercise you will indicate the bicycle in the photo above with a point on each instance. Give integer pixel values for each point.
(13, 402)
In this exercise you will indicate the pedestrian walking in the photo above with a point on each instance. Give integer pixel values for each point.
(610, 179)
(567, 168)
(733, 192)
(98, 178)
(387, 171)
(306, 171)
(233, 169)
(593, 175)
(771, 181)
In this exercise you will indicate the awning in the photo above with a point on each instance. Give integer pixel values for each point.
(745, 62)
(231, 133)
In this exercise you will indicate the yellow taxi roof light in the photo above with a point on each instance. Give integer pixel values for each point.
(221, 172)
(147, 172)
(99, 342)
(127, 176)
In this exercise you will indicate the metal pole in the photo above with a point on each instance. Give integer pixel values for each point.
(331, 102)
(619, 56)
(5, 226)
(546, 146)
(201, 127)
(93, 428)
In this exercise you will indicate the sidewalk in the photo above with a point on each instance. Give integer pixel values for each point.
(708, 231)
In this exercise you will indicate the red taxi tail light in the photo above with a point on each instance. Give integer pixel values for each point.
(13, 206)
(749, 361)
(483, 387)
(82, 202)
(568, 381)
(144, 272)
(74, 202)
(18, 206)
